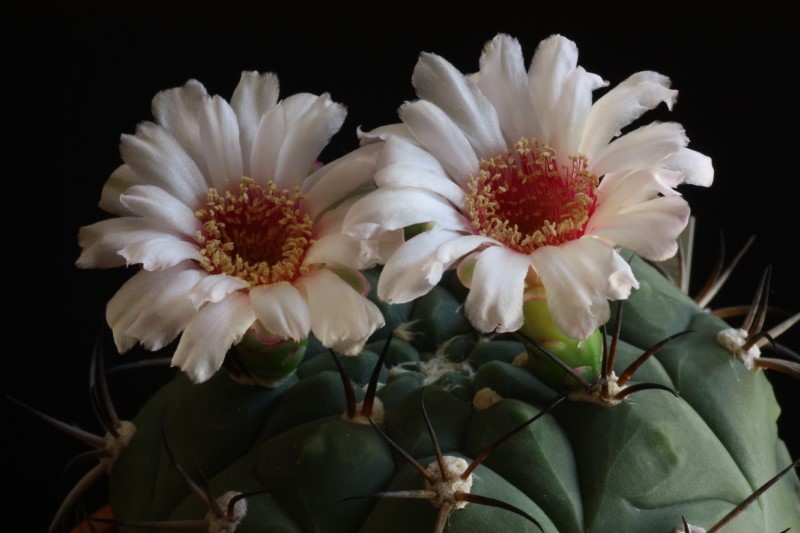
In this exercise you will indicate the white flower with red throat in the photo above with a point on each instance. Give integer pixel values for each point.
(216, 204)
(521, 181)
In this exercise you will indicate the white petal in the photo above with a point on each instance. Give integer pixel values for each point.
(395, 208)
(210, 334)
(160, 253)
(330, 221)
(219, 134)
(553, 59)
(407, 274)
(622, 105)
(384, 133)
(158, 159)
(307, 134)
(643, 147)
(453, 250)
(399, 150)
(378, 250)
(403, 164)
(347, 176)
(282, 310)
(297, 104)
(271, 151)
(156, 204)
(214, 288)
(505, 83)
(568, 119)
(374, 248)
(442, 138)
(366, 253)
(494, 302)
(650, 228)
(152, 307)
(102, 241)
(335, 248)
(117, 183)
(410, 175)
(621, 190)
(440, 83)
(267, 145)
(178, 111)
(341, 318)
(253, 97)
(579, 278)
(695, 168)
(666, 178)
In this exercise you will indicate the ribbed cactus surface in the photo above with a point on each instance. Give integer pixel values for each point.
(639, 466)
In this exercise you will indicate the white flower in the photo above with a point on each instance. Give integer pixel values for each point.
(524, 182)
(216, 203)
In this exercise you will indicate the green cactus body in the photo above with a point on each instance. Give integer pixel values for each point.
(638, 466)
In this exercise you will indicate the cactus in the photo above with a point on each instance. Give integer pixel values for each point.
(645, 464)
(506, 202)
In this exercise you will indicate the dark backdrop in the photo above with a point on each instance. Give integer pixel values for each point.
(97, 77)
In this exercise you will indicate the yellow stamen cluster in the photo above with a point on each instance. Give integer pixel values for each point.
(526, 200)
(259, 235)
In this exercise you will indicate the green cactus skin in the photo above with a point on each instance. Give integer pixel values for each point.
(636, 467)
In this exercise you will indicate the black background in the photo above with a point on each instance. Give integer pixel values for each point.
(79, 83)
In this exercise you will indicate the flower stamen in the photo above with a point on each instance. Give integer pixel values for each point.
(524, 199)
(260, 235)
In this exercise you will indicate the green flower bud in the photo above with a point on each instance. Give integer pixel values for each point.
(583, 356)
(270, 363)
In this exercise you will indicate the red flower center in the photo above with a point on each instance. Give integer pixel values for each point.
(260, 235)
(526, 200)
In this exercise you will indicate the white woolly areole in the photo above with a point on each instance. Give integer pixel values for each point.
(406, 331)
(440, 365)
(116, 445)
(446, 490)
(692, 529)
(733, 340)
(225, 523)
(602, 393)
(521, 360)
(484, 398)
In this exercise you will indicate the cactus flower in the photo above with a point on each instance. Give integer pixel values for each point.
(525, 182)
(234, 225)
